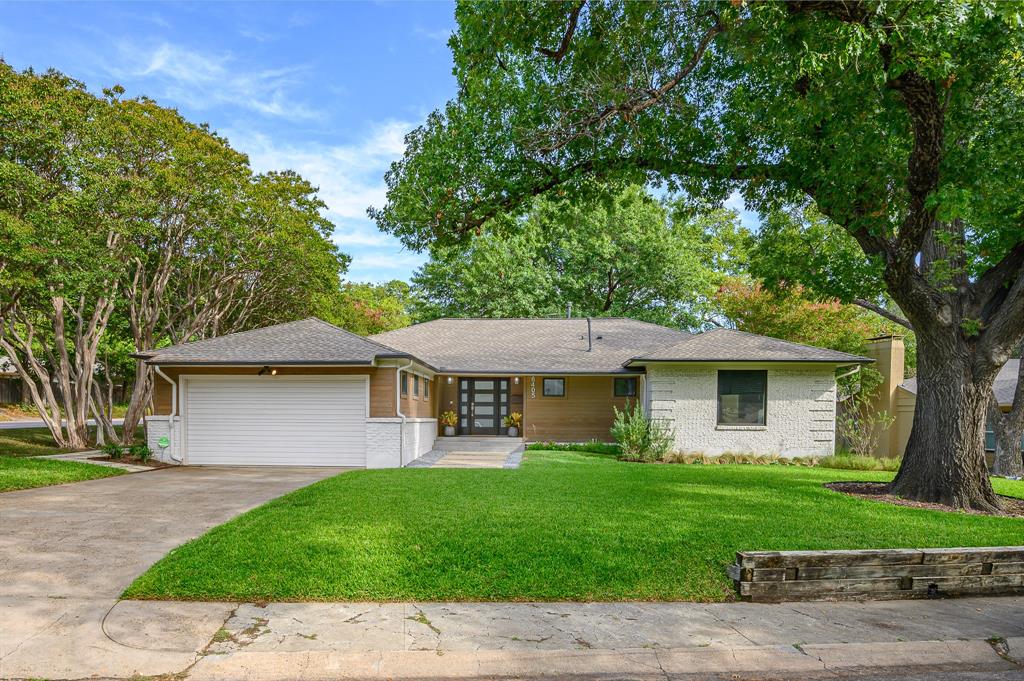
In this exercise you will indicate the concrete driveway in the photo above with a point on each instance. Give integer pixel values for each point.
(68, 551)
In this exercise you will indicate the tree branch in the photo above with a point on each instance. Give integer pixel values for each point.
(879, 310)
(570, 30)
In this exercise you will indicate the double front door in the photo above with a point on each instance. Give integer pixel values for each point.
(483, 403)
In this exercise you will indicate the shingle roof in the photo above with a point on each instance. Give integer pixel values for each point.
(1004, 386)
(729, 345)
(530, 345)
(309, 341)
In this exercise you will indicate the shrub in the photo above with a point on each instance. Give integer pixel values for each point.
(141, 452)
(593, 447)
(113, 450)
(640, 438)
(856, 462)
(738, 458)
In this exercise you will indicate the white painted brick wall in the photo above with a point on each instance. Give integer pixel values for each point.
(800, 420)
(384, 436)
(419, 438)
(158, 427)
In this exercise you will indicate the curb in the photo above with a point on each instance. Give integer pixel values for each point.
(634, 663)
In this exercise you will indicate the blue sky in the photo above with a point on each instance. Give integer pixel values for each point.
(325, 89)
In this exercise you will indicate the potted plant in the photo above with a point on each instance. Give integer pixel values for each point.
(512, 422)
(448, 420)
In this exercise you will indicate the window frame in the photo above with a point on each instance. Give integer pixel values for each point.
(544, 386)
(764, 397)
(415, 386)
(627, 380)
(426, 388)
(405, 384)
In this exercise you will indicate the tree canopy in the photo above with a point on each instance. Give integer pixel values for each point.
(623, 254)
(900, 120)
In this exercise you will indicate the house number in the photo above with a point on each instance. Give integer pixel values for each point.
(533, 387)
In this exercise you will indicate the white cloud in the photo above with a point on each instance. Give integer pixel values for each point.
(440, 35)
(201, 80)
(748, 218)
(350, 178)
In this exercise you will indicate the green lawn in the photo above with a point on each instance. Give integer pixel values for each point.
(28, 442)
(566, 526)
(21, 473)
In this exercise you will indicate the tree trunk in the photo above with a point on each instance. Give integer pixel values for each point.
(1009, 462)
(945, 457)
(142, 391)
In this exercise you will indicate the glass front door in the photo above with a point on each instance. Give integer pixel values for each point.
(483, 403)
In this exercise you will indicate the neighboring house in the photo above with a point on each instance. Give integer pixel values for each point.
(898, 395)
(309, 393)
(10, 383)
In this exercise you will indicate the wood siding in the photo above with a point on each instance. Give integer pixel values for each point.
(418, 406)
(382, 384)
(585, 413)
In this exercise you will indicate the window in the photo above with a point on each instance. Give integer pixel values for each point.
(554, 387)
(405, 383)
(426, 387)
(415, 386)
(625, 387)
(742, 397)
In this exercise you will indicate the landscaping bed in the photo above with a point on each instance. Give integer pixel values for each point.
(566, 526)
(877, 491)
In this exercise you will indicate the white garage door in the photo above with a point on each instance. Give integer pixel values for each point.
(276, 420)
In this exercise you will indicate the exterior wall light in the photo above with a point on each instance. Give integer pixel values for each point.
(267, 370)
(449, 380)
(516, 380)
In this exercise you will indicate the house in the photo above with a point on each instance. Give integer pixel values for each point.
(898, 395)
(309, 393)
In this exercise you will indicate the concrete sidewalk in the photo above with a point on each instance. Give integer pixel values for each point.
(527, 640)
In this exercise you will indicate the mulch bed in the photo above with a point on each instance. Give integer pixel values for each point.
(151, 463)
(876, 491)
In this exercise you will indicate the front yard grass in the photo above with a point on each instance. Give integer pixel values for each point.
(22, 473)
(566, 526)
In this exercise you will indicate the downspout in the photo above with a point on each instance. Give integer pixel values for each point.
(398, 410)
(174, 410)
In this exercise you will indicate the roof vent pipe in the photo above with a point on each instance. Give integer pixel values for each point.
(590, 342)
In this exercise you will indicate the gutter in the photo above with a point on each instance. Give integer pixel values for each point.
(174, 410)
(398, 410)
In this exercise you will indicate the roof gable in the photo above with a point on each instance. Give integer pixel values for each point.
(309, 341)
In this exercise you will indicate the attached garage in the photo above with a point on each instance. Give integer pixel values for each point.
(275, 421)
(303, 393)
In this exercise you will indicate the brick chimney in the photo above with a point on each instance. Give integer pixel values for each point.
(888, 353)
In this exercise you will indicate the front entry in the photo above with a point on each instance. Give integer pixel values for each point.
(483, 403)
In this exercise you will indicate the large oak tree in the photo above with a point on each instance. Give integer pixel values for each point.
(902, 121)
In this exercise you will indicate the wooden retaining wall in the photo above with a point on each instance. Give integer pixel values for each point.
(878, 574)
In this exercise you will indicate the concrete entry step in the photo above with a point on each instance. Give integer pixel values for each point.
(478, 444)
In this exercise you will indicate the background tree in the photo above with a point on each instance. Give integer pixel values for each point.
(126, 218)
(367, 309)
(899, 120)
(621, 254)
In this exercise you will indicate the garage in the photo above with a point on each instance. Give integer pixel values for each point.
(272, 420)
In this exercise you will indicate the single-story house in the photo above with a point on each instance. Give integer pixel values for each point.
(898, 394)
(309, 393)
